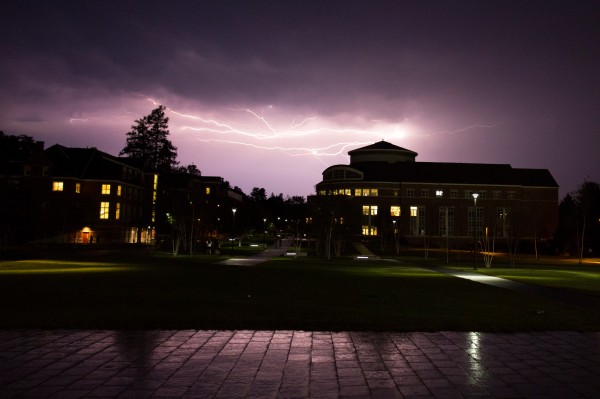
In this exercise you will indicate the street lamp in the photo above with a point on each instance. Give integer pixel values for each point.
(233, 230)
(265, 232)
(475, 195)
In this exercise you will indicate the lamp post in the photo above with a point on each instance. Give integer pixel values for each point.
(265, 232)
(475, 195)
(233, 230)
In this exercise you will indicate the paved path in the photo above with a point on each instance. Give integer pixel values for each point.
(261, 257)
(563, 295)
(297, 364)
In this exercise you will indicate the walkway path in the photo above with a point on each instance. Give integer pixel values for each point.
(269, 253)
(563, 295)
(297, 364)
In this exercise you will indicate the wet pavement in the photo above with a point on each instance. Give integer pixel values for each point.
(297, 364)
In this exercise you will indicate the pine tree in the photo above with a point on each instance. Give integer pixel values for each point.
(148, 141)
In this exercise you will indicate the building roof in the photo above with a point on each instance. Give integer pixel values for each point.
(85, 163)
(381, 145)
(454, 173)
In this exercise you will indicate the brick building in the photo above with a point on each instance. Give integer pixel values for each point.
(385, 192)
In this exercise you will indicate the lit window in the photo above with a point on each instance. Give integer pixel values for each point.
(155, 182)
(369, 230)
(78, 188)
(414, 211)
(119, 190)
(369, 210)
(104, 206)
(106, 189)
(207, 190)
(374, 192)
(58, 186)
(358, 192)
(117, 211)
(439, 193)
(395, 211)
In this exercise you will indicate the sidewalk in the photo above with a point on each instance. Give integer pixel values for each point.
(297, 364)
(271, 252)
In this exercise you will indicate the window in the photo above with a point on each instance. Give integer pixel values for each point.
(439, 193)
(58, 186)
(510, 195)
(497, 195)
(446, 221)
(78, 188)
(395, 193)
(482, 194)
(475, 216)
(417, 220)
(369, 230)
(453, 193)
(106, 189)
(119, 190)
(207, 191)
(117, 211)
(366, 192)
(425, 193)
(503, 222)
(27, 170)
(104, 207)
(410, 192)
(369, 210)
(395, 211)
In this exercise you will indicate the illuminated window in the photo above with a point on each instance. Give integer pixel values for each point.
(369, 230)
(207, 190)
(155, 186)
(78, 188)
(104, 207)
(439, 193)
(106, 189)
(369, 210)
(322, 192)
(119, 190)
(58, 186)
(117, 211)
(395, 211)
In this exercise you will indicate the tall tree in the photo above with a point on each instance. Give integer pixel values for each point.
(148, 140)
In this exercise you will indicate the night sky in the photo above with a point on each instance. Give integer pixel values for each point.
(270, 93)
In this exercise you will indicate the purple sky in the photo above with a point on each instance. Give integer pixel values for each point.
(270, 93)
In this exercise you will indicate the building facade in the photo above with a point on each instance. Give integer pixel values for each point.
(86, 196)
(387, 193)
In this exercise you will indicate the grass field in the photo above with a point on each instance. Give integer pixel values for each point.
(158, 291)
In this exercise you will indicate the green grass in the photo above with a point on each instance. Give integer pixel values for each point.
(160, 291)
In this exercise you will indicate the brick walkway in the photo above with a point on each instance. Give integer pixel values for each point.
(297, 364)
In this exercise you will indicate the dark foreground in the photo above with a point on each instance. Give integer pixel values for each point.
(286, 364)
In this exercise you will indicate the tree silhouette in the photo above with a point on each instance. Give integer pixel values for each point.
(148, 141)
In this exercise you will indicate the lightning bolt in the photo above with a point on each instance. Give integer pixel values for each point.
(256, 128)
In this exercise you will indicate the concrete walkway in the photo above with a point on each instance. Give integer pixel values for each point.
(563, 295)
(269, 253)
(297, 364)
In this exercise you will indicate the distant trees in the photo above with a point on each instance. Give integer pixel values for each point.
(579, 224)
(148, 140)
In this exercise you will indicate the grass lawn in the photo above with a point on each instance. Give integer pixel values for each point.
(154, 291)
